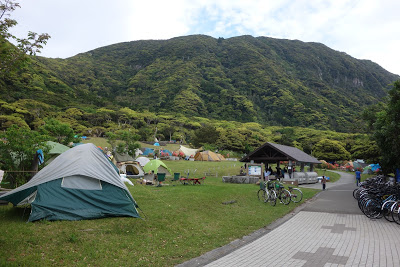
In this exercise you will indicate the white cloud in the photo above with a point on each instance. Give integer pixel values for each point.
(366, 29)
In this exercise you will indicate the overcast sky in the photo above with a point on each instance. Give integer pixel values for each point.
(364, 29)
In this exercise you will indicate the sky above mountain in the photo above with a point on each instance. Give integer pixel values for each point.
(364, 29)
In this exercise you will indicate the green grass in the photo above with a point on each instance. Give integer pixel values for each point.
(333, 176)
(98, 141)
(170, 147)
(180, 223)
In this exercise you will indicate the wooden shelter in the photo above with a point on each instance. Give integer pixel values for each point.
(274, 153)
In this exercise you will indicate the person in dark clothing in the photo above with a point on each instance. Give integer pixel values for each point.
(323, 181)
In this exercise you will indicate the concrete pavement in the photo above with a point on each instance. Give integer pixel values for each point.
(328, 231)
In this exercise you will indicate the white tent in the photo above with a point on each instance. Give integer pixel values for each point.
(142, 161)
(132, 169)
(138, 152)
(188, 151)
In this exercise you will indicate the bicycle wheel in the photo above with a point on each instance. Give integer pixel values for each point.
(373, 209)
(387, 210)
(296, 195)
(261, 194)
(272, 197)
(284, 196)
(395, 212)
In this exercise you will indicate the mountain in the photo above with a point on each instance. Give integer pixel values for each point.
(245, 78)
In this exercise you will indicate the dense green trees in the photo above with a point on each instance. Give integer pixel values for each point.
(386, 129)
(274, 82)
(330, 150)
(61, 132)
(18, 148)
(207, 134)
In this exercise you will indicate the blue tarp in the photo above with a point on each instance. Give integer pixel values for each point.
(148, 151)
(375, 167)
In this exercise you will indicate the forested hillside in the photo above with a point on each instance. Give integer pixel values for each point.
(245, 79)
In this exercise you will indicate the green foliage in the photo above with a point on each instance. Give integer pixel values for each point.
(18, 148)
(367, 150)
(330, 150)
(386, 131)
(129, 142)
(207, 134)
(61, 132)
(269, 81)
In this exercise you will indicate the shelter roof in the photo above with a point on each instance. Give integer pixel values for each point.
(271, 153)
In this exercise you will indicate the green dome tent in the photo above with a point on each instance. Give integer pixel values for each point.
(56, 149)
(157, 166)
(79, 184)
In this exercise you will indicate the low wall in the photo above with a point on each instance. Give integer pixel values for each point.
(240, 179)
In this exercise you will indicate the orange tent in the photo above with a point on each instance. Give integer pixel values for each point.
(208, 156)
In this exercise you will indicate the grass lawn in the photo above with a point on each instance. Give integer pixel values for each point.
(180, 222)
(333, 176)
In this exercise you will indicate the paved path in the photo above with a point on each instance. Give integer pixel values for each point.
(329, 231)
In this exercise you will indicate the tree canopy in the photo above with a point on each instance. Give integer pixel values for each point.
(330, 150)
(386, 131)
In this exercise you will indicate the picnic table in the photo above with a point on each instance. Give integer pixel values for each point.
(193, 181)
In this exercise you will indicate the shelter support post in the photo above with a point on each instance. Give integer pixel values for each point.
(290, 168)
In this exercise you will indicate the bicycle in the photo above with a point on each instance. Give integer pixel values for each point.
(295, 194)
(266, 194)
(281, 193)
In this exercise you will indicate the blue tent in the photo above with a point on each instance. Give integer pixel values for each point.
(148, 151)
(375, 167)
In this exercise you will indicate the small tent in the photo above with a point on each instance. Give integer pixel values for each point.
(122, 157)
(142, 161)
(56, 149)
(208, 156)
(148, 151)
(188, 151)
(132, 169)
(79, 184)
(157, 166)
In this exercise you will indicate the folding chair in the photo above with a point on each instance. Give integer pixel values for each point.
(160, 179)
(176, 177)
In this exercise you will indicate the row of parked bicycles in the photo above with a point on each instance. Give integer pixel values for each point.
(273, 191)
(379, 198)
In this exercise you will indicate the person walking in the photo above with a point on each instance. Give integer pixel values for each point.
(323, 181)
(358, 176)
